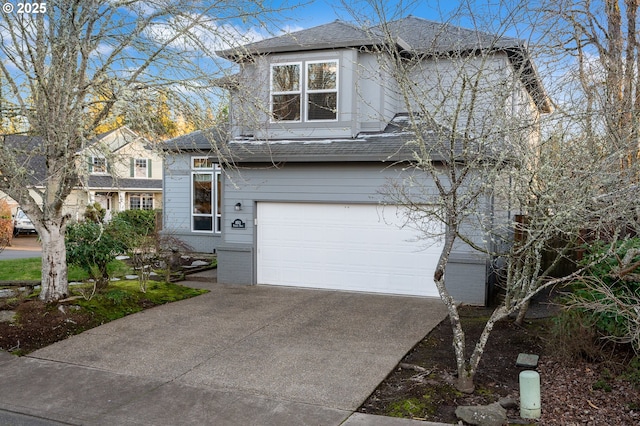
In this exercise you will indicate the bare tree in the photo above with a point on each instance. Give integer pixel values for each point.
(475, 101)
(68, 65)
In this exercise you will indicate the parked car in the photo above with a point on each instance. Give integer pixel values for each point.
(22, 224)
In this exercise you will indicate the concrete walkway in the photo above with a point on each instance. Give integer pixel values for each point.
(239, 355)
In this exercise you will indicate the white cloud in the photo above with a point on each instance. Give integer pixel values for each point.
(207, 35)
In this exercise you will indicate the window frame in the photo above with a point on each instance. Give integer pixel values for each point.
(146, 168)
(142, 197)
(215, 171)
(303, 91)
(309, 91)
(93, 165)
(298, 92)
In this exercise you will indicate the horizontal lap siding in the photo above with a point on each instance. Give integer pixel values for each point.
(298, 183)
(329, 183)
(177, 206)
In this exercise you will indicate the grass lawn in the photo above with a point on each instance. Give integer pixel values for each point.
(30, 269)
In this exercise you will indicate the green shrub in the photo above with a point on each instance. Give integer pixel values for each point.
(91, 246)
(139, 222)
(611, 289)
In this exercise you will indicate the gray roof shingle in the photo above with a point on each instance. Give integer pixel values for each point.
(335, 34)
(110, 182)
(396, 143)
(414, 36)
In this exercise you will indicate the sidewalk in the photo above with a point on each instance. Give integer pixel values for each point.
(237, 355)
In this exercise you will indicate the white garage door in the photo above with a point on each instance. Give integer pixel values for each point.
(352, 247)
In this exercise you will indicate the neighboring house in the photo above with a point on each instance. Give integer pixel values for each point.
(124, 173)
(292, 194)
(120, 170)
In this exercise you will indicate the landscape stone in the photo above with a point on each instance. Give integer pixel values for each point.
(7, 292)
(131, 277)
(7, 316)
(508, 402)
(483, 415)
(527, 360)
(197, 263)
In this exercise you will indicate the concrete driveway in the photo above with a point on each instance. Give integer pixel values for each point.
(237, 355)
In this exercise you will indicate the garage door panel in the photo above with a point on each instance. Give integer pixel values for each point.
(342, 246)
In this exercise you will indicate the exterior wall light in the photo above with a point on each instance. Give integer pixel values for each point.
(238, 207)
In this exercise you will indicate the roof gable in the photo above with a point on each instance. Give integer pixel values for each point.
(412, 34)
(333, 35)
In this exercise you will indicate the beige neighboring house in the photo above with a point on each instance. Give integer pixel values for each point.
(120, 170)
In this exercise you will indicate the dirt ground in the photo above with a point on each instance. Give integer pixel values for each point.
(574, 391)
(40, 324)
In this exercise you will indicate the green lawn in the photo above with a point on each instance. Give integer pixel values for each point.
(30, 269)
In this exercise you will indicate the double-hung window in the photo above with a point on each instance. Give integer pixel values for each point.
(206, 200)
(315, 100)
(140, 167)
(286, 92)
(97, 165)
(322, 90)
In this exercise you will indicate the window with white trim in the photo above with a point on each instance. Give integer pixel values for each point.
(206, 200)
(141, 167)
(320, 91)
(141, 202)
(97, 165)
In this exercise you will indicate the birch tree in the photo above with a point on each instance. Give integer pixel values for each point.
(66, 65)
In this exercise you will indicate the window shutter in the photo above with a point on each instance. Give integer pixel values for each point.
(90, 164)
(149, 168)
(132, 167)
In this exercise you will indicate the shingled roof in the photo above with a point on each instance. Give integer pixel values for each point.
(396, 143)
(412, 35)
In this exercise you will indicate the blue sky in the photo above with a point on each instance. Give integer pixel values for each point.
(487, 15)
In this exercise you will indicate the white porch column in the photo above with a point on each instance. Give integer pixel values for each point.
(121, 201)
(92, 197)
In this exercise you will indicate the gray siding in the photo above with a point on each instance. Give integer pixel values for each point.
(323, 183)
(177, 206)
(238, 261)
(364, 101)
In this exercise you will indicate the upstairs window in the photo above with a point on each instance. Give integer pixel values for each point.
(285, 92)
(320, 91)
(141, 167)
(97, 165)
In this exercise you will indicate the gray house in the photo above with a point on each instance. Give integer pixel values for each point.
(290, 193)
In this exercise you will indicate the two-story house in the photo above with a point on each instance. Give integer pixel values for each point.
(119, 169)
(124, 172)
(290, 194)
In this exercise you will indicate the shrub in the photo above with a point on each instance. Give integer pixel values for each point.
(609, 291)
(91, 246)
(6, 225)
(138, 222)
(95, 213)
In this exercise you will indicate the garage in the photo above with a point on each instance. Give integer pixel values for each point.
(352, 247)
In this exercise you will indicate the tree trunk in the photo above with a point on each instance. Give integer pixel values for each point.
(55, 285)
(522, 312)
(465, 380)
